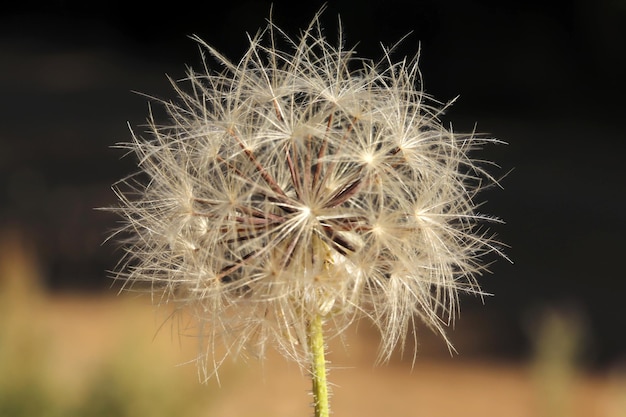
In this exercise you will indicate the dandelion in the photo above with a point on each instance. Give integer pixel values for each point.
(299, 190)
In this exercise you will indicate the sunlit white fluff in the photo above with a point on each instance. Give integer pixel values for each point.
(298, 182)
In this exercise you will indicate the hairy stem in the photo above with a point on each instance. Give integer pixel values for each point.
(318, 367)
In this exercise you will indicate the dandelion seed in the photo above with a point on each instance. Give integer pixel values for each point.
(291, 188)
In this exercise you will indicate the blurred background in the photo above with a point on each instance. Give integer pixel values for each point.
(545, 77)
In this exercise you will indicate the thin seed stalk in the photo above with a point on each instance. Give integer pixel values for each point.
(318, 367)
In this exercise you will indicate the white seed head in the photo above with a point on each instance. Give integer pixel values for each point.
(301, 182)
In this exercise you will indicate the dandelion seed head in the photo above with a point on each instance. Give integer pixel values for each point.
(299, 182)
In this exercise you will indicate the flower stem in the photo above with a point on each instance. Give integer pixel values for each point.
(318, 367)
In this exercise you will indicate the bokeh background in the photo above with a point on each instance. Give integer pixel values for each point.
(546, 77)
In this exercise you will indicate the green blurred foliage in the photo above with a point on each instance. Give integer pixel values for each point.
(129, 380)
(128, 383)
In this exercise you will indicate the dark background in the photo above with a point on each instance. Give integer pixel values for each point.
(546, 77)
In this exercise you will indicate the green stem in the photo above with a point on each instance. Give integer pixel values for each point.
(318, 367)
